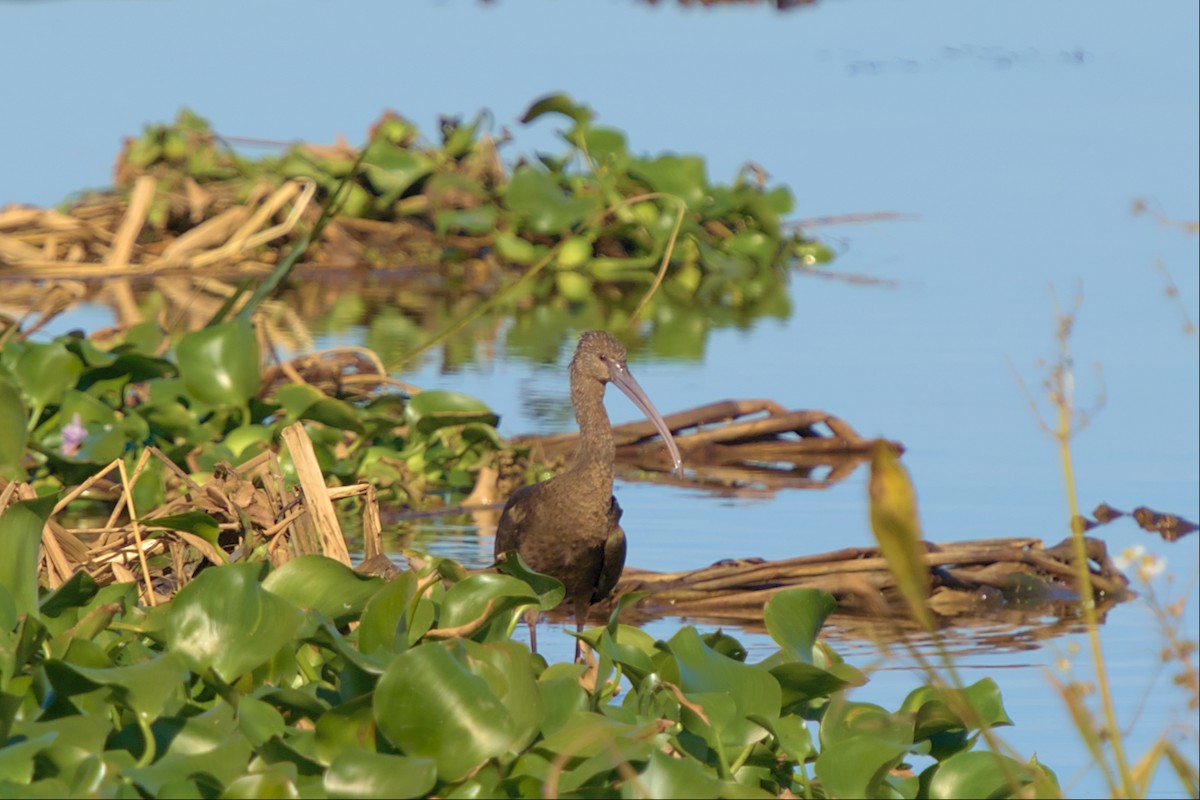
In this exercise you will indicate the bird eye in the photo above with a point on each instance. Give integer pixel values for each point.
(603, 358)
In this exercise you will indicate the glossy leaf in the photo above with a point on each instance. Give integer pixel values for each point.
(752, 690)
(794, 618)
(45, 371)
(20, 540)
(856, 766)
(220, 364)
(14, 429)
(977, 774)
(557, 104)
(356, 773)
(437, 408)
(195, 522)
(431, 705)
(320, 583)
(225, 620)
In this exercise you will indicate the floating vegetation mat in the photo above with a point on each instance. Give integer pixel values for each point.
(968, 580)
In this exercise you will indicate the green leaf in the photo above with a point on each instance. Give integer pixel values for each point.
(549, 590)
(45, 371)
(978, 774)
(386, 616)
(225, 620)
(20, 539)
(147, 687)
(681, 176)
(430, 704)
(267, 783)
(472, 221)
(845, 719)
(195, 522)
(392, 170)
(857, 766)
(357, 773)
(751, 689)
(438, 408)
(536, 198)
(14, 430)
(557, 104)
(305, 402)
(320, 583)
(468, 599)
(794, 618)
(220, 364)
(665, 776)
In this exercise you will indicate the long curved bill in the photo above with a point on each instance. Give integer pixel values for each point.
(619, 374)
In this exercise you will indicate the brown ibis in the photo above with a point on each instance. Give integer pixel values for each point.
(569, 526)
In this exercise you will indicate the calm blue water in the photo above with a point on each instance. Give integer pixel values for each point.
(1018, 134)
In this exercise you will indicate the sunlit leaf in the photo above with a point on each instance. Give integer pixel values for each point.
(357, 773)
(856, 766)
(431, 705)
(557, 104)
(753, 690)
(225, 620)
(20, 540)
(317, 582)
(978, 774)
(220, 364)
(438, 408)
(14, 427)
(794, 618)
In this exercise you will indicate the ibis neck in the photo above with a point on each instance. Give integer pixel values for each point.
(596, 450)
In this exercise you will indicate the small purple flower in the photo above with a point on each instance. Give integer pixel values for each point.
(72, 436)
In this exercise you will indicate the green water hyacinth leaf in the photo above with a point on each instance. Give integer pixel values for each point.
(549, 590)
(304, 402)
(220, 364)
(14, 430)
(983, 774)
(794, 618)
(44, 372)
(194, 522)
(472, 221)
(20, 538)
(536, 198)
(393, 170)
(430, 704)
(357, 773)
(469, 600)
(147, 687)
(320, 583)
(750, 689)
(270, 783)
(844, 719)
(438, 408)
(680, 176)
(558, 104)
(858, 765)
(226, 621)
